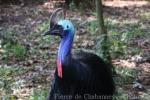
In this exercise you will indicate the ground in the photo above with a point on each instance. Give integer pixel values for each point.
(25, 74)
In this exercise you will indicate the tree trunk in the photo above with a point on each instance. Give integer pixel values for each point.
(103, 40)
(99, 10)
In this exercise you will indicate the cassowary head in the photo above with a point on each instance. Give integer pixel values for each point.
(60, 27)
(65, 29)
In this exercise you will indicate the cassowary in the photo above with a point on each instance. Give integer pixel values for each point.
(81, 76)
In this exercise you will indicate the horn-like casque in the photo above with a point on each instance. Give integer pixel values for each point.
(54, 17)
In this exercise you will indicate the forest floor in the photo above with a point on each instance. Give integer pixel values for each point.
(27, 59)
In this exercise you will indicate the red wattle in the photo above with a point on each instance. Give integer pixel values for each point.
(59, 68)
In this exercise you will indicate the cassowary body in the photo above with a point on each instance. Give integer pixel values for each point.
(85, 75)
(82, 76)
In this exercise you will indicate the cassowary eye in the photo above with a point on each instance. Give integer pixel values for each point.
(67, 26)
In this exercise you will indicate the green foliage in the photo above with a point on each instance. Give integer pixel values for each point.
(39, 94)
(117, 41)
(9, 36)
(7, 74)
(11, 46)
(146, 96)
(119, 38)
(92, 27)
(80, 4)
(102, 48)
(133, 30)
(120, 94)
(21, 1)
(125, 75)
(134, 51)
(14, 50)
(10, 70)
(47, 40)
(117, 47)
(8, 97)
(145, 15)
(43, 26)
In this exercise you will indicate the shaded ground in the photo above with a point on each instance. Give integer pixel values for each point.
(30, 21)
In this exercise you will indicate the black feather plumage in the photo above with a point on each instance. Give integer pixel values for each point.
(87, 76)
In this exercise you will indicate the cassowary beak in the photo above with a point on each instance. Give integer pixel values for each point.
(56, 30)
(46, 33)
(52, 32)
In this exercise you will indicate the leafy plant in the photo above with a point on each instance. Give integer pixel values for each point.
(10, 44)
(14, 50)
(7, 74)
(145, 15)
(117, 41)
(8, 97)
(126, 75)
(8, 36)
(43, 26)
(39, 94)
(120, 94)
(92, 27)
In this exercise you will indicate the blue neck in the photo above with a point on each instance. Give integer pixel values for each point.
(65, 46)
